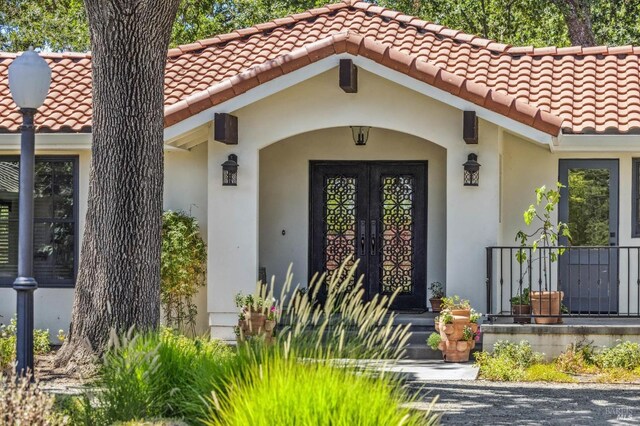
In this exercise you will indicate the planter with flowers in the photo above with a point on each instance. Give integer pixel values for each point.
(257, 318)
(456, 329)
(521, 307)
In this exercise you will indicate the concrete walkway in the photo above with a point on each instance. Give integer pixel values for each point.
(433, 370)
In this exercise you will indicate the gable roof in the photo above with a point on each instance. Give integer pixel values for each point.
(574, 89)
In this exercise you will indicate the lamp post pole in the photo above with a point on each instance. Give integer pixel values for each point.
(25, 284)
(29, 80)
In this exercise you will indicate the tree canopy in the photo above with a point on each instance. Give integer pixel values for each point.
(59, 25)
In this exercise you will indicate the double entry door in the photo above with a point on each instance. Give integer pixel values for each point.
(376, 213)
(588, 272)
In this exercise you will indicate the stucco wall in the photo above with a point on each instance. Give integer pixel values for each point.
(185, 189)
(284, 193)
(319, 103)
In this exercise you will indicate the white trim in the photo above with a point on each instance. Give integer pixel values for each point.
(598, 143)
(312, 70)
(56, 142)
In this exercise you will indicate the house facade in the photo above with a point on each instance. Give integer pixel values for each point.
(350, 125)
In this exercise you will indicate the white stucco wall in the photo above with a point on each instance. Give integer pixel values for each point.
(284, 193)
(319, 103)
(185, 189)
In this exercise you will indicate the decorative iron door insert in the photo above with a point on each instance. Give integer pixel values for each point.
(589, 205)
(375, 212)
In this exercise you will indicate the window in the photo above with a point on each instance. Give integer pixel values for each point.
(635, 213)
(55, 243)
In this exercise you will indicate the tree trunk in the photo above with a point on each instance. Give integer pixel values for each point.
(577, 16)
(118, 284)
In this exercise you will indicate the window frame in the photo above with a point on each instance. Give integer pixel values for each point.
(635, 197)
(69, 283)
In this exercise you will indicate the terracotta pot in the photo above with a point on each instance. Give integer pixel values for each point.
(474, 327)
(269, 325)
(436, 305)
(547, 303)
(436, 325)
(461, 313)
(521, 314)
(456, 355)
(447, 328)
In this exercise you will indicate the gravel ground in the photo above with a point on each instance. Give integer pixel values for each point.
(491, 403)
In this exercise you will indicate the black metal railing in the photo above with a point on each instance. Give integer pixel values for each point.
(596, 281)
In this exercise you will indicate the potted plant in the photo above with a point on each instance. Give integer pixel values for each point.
(521, 307)
(456, 327)
(545, 304)
(437, 293)
(256, 318)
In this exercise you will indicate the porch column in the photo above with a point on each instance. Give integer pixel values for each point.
(472, 216)
(232, 235)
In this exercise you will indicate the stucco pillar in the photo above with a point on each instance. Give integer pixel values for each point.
(472, 216)
(232, 235)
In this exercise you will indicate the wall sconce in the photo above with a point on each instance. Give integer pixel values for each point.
(230, 171)
(360, 134)
(471, 171)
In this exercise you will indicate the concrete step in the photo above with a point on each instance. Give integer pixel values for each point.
(421, 351)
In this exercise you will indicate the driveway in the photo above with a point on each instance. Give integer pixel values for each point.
(490, 403)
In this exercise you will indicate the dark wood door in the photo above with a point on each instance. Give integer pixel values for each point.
(589, 205)
(375, 212)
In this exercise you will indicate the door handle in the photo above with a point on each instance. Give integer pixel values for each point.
(373, 237)
(363, 230)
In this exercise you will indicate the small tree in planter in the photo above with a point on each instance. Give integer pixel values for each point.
(546, 303)
(437, 293)
(456, 327)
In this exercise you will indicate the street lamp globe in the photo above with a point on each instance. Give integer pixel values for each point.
(29, 80)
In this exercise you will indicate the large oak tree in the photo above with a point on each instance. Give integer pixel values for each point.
(118, 282)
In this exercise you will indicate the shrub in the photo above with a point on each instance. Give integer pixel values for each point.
(41, 343)
(576, 359)
(455, 302)
(434, 340)
(184, 260)
(23, 403)
(287, 392)
(623, 355)
(546, 373)
(508, 362)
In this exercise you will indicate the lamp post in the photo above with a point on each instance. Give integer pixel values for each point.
(29, 80)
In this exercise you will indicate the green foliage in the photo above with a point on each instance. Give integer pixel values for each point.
(578, 358)
(434, 340)
(437, 290)
(474, 317)
(41, 344)
(624, 355)
(546, 373)
(522, 299)
(159, 375)
(589, 207)
(291, 392)
(446, 316)
(183, 267)
(467, 333)
(24, 403)
(455, 302)
(508, 362)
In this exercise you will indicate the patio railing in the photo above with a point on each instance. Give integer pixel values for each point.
(597, 281)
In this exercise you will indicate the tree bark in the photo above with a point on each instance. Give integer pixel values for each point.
(577, 16)
(118, 285)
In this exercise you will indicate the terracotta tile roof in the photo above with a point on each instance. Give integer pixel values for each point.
(579, 90)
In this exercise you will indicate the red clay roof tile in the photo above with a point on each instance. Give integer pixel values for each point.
(578, 90)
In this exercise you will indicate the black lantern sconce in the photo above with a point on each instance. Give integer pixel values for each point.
(471, 171)
(360, 134)
(230, 171)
